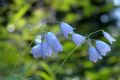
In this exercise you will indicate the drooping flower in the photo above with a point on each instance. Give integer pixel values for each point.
(53, 42)
(36, 51)
(45, 49)
(38, 39)
(94, 54)
(78, 39)
(102, 47)
(108, 37)
(41, 50)
(66, 29)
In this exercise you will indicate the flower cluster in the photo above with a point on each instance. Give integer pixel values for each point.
(45, 45)
(68, 30)
(101, 48)
(48, 43)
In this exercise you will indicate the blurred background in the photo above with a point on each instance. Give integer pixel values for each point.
(20, 21)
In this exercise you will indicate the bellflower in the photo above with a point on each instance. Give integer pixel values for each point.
(108, 37)
(78, 39)
(102, 47)
(66, 29)
(38, 39)
(53, 42)
(36, 51)
(94, 54)
(41, 50)
(45, 49)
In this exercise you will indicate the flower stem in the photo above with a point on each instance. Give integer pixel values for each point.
(94, 33)
(65, 60)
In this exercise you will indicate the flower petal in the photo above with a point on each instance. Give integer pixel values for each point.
(94, 54)
(58, 47)
(66, 29)
(108, 37)
(45, 50)
(102, 47)
(36, 51)
(38, 39)
(53, 42)
(78, 39)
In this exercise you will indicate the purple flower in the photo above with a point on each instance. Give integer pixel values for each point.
(78, 39)
(108, 37)
(102, 47)
(41, 50)
(36, 51)
(94, 54)
(45, 49)
(53, 42)
(66, 29)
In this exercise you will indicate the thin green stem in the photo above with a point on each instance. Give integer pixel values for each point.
(52, 20)
(65, 60)
(94, 33)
